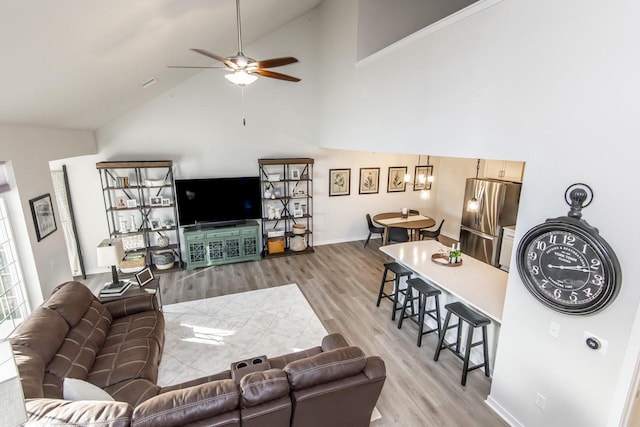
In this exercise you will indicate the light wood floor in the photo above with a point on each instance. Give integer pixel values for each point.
(341, 283)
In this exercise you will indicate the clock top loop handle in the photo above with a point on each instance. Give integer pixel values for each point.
(575, 196)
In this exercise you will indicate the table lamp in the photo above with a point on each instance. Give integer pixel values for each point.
(110, 253)
(13, 409)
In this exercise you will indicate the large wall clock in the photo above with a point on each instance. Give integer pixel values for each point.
(566, 264)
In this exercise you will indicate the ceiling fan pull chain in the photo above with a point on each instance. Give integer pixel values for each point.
(244, 119)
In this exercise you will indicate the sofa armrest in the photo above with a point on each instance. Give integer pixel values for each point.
(128, 306)
(333, 341)
(48, 412)
(188, 405)
(375, 368)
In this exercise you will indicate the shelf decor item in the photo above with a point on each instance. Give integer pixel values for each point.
(43, 217)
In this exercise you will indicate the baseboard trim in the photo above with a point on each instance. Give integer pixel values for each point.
(502, 412)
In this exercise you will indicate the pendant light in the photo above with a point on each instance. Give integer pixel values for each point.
(473, 204)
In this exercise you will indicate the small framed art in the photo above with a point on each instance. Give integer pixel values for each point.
(43, 217)
(396, 182)
(155, 223)
(369, 180)
(166, 202)
(144, 276)
(132, 203)
(155, 201)
(339, 182)
(121, 202)
(294, 173)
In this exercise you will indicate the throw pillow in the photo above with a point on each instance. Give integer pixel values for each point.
(75, 389)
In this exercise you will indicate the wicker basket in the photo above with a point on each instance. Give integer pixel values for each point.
(275, 246)
(133, 263)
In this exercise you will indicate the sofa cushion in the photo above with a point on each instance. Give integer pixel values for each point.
(134, 392)
(135, 358)
(31, 370)
(189, 405)
(263, 386)
(148, 324)
(43, 332)
(70, 300)
(79, 349)
(75, 389)
(325, 367)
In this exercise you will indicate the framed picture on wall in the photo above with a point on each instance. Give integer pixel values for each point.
(369, 180)
(396, 182)
(339, 182)
(426, 172)
(43, 217)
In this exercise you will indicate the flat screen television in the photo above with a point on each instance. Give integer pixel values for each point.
(218, 201)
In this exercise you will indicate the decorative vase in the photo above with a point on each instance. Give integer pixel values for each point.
(163, 241)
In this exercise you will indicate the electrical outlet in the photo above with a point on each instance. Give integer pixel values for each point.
(541, 401)
(554, 329)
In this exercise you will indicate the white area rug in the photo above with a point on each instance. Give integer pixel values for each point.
(204, 337)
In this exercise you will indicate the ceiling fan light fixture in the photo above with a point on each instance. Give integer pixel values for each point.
(241, 78)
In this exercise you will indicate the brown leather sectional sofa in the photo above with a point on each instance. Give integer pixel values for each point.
(117, 346)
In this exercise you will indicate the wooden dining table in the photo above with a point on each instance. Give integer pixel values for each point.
(413, 223)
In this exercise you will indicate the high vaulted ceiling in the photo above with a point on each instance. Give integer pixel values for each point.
(78, 64)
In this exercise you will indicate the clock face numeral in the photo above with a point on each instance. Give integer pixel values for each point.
(564, 268)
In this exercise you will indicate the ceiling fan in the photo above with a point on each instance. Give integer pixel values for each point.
(245, 70)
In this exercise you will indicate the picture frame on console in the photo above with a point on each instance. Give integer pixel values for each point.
(155, 201)
(144, 276)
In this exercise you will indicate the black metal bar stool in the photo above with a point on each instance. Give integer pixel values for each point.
(425, 291)
(398, 271)
(474, 320)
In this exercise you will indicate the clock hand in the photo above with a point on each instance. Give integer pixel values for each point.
(570, 267)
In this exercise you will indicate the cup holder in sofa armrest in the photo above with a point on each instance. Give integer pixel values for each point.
(243, 367)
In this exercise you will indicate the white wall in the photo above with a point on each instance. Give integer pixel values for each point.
(29, 149)
(550, 83)
(198, 125)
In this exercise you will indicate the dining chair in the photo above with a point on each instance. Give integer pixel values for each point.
(431, 234)
(373, 229)
(398, 235)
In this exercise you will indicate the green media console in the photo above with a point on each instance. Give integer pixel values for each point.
(223, 245)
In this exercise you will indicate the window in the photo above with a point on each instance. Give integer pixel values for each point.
(13, 307)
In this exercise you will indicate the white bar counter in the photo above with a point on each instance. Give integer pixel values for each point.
(475, 283)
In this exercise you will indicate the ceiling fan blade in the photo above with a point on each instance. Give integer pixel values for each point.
(189, 66)
(274, 75)
(211, 55)
(276, 62)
